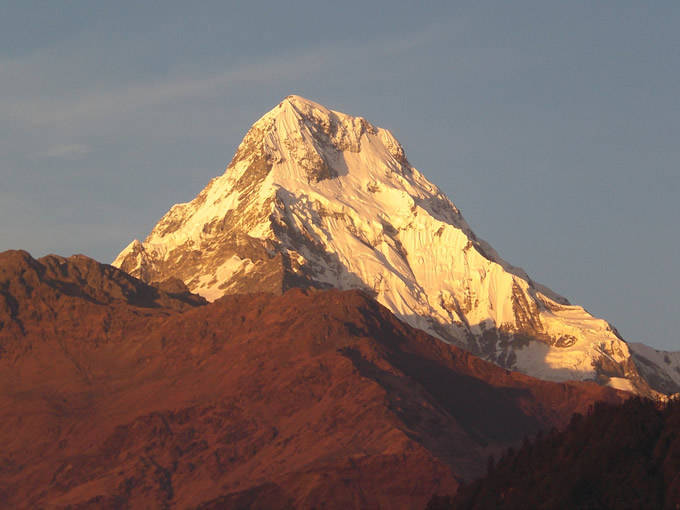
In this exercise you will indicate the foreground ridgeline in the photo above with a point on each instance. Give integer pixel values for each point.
(117, 394)
(317, 198)
(625, 456)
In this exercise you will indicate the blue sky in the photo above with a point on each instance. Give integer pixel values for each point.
(553, 126)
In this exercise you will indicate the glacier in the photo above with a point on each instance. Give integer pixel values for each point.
(316, 197)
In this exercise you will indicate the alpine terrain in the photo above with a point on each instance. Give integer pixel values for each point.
(116, 395)
(318, 198)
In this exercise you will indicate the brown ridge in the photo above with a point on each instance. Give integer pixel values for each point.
(115, 394)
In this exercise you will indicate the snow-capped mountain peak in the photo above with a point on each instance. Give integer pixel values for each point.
(315, 197)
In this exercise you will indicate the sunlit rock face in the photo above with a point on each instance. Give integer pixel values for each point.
(318, 198)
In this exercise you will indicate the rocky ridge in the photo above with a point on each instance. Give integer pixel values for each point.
(308, 399)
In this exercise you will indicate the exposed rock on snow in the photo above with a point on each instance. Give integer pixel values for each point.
(314, 197)
(661, 369)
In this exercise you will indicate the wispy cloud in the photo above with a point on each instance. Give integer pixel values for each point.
(68, 151)
(93, 102)
(99, 104)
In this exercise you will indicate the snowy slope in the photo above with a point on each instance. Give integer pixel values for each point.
(660, 368)
(317, 197)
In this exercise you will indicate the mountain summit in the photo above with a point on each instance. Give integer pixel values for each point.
(318, 198)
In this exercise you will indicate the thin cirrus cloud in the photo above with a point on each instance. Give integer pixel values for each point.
(66, 108)
(68, 151)
(96, 103)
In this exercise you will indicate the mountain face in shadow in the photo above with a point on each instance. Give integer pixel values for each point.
(117, 394)
(625, 456)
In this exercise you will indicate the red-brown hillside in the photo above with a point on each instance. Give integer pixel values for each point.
(114, 394)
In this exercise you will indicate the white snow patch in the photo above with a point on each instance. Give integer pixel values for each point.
(620, 383)
(209, 284)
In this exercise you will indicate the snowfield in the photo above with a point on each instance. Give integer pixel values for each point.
(317, 197)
